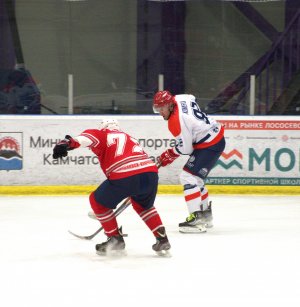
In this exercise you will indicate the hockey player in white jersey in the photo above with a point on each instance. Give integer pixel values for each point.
(200, 137)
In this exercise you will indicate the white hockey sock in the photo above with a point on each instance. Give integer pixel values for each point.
(204, 199)
(193, 199)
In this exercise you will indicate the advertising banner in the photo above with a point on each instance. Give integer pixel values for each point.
(259, 150)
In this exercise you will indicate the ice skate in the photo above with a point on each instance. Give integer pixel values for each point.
(197, 222)
(193, 224)
(114, 246)
(162, 244)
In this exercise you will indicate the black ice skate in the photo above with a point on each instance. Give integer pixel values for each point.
(162, 244)
(114, 245)
(197, 222)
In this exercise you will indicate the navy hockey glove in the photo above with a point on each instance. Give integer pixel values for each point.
(167, 157)
(61, 149)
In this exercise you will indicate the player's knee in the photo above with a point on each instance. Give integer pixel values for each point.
(201, 183)
(136, 206)
(140, 207)
(188, 180)
(188, 186)
(94, 204)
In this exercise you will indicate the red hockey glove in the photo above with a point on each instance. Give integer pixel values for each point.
(61, 149)
(167, 157)
(72, 144)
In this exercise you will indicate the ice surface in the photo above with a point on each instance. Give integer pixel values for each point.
(250, 258)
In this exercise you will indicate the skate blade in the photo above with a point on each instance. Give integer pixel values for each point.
(112, 253)
(198, 229)
(164, 253)
(92, 215)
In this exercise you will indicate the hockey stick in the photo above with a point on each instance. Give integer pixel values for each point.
(118, 211)
(126, 203)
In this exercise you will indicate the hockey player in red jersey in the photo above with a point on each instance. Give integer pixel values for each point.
(200, 137)
(130, 173)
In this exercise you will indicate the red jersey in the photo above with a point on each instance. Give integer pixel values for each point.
(119, 154)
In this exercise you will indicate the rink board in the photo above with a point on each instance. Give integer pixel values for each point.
(162, 189)
(260, 151)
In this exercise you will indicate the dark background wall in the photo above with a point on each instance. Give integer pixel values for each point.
(116, 49)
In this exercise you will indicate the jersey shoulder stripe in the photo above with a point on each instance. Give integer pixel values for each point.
(93, 138)
(174, 122)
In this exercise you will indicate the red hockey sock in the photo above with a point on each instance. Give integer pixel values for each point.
(105, 216)
(150, 217)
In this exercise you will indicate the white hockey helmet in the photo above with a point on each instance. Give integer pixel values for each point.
(109, 123)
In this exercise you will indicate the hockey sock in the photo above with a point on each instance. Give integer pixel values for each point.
(105, 216)
(204, 199)
(150, 217)
(192, 196)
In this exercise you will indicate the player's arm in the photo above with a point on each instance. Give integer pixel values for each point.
(61, 149)
(183, 146)
(170, 155)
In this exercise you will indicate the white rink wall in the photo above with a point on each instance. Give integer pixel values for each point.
(259, 151)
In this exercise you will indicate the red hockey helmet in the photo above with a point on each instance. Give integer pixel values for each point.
(161, 99)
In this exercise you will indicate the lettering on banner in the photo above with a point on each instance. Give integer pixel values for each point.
(75, 160)
(260, 125)
(283, 160)
(42, 143)
(157, 143)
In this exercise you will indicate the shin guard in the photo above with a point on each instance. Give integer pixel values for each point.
(105, 216)
(150, 217)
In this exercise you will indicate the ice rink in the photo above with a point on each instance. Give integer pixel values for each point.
(250, 258)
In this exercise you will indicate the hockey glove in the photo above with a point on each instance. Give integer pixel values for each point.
(167, 157)
(61, 149)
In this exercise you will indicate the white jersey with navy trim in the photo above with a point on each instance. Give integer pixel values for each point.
(191, 127)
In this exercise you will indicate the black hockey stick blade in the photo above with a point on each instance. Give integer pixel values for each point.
(90, 237)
